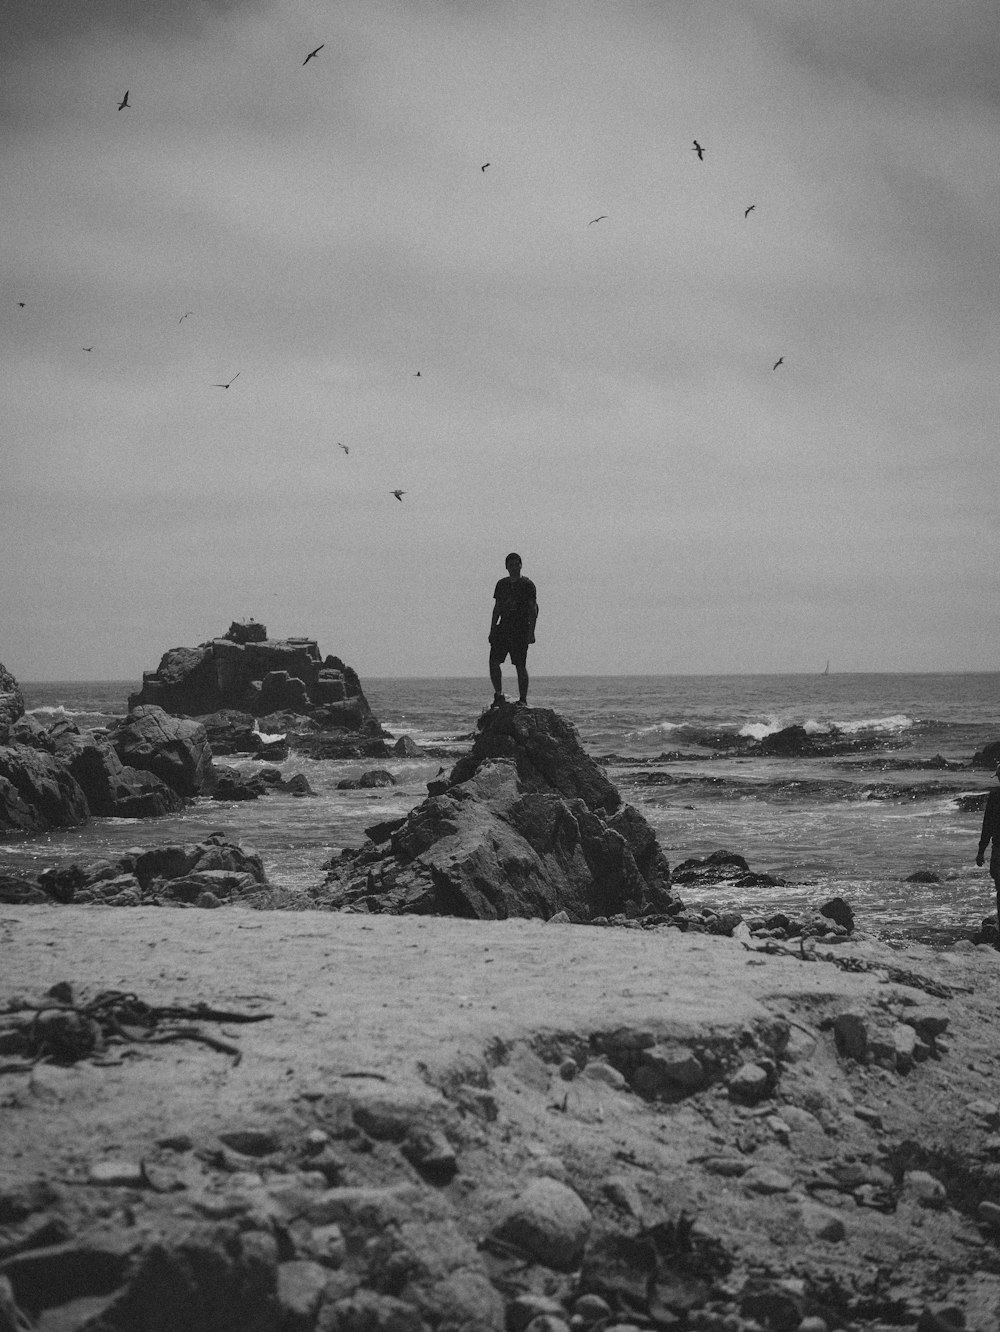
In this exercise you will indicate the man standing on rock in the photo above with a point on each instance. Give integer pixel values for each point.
(515, 611)
(991, 833)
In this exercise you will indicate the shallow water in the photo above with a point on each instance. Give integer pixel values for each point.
(828, 825)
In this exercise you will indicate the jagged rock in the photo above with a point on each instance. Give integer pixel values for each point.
(111, 788)
(501, 841)
(375, 777)
(407, 747)
(722, 867)
(11, 701)
(988, 756)
(840, 912)
(246, 671)
(38, 792)
(176, 750)
(166, 873)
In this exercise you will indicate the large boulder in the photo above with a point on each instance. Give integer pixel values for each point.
(246, 670)
(112, 789)
(526, 825)
(37, 792)
(175, 750)
(11, 701)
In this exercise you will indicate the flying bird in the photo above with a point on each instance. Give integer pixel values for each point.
(124, 101)
(313, 54)
(20, 305)
(484, 166)
(232, 381)
(748, 211)
(184, 316)
(399, 494)
(699, 150)
(344, 447)
(417, 375)
(779, 361)
(596, 219)
(88, 349)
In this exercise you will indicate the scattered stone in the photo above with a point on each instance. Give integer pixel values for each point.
(621, 1191)
(850, 1030)
(923, 876)
(775, 1306)
(930, 1023)
(430, 1152)
(598, 1070)
(840, 912)
(301, 1284)
(667, 1072)
(823, 1223)
(750, 1084)
(591, 1309)
(986, 1111)
(549, 1222)
(989, 1214)
(925, 1188)
(251, 1142)
(117, 1174)
(523, 1308)
(766, 1180)
(868, 1116)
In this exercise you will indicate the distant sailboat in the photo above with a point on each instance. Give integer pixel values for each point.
(826, 668)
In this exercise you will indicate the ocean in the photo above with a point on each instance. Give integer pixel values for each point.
(855, 825)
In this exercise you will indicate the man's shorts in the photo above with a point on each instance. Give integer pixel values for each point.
(502, 647)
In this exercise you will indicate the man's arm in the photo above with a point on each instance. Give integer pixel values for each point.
(989, 818)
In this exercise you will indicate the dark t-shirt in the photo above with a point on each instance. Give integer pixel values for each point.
(991, 824)
(516, 604)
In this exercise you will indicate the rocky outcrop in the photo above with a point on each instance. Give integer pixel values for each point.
(204, 874)
(11, 701)
(526, 825)
(988, 756)
(38, 792)
(175, 749)
(247, 671)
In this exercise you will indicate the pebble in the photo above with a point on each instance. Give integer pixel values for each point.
(300, 1289)
(925, 1188)
(987, 1111)
(117, 1174)
(868, 1116)
(549, 1222)
(989, 1214)
(591, 1309)
(250, 1142)
(766, 1180)
(599, 1071)
(749, 1084)
(523, 1309)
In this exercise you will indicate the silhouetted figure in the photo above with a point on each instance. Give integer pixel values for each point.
(749, 210)
(124, 102)
(596, 219)
(779, 361)
(399, 494)
(991, 833)
(313, 54)
(515, 611)
(699, 150)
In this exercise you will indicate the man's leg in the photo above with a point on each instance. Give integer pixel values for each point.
(521, 666)
(496, 679)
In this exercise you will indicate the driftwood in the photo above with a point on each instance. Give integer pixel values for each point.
(59, 1030)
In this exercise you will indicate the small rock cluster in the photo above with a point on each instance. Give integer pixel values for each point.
(205, 874)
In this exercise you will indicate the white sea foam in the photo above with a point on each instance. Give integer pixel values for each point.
(61, 711)
(899, 721)
(270, 739)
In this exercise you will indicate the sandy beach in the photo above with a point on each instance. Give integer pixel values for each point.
(507, 1040)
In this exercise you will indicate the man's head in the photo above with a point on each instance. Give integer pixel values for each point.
(513, 563)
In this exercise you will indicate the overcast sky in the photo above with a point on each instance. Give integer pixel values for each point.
(596, 395)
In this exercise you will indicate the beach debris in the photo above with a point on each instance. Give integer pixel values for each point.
(59, 1030)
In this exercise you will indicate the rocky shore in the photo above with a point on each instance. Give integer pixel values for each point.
(344, 1121)
(239, 694)
(491, 1073)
